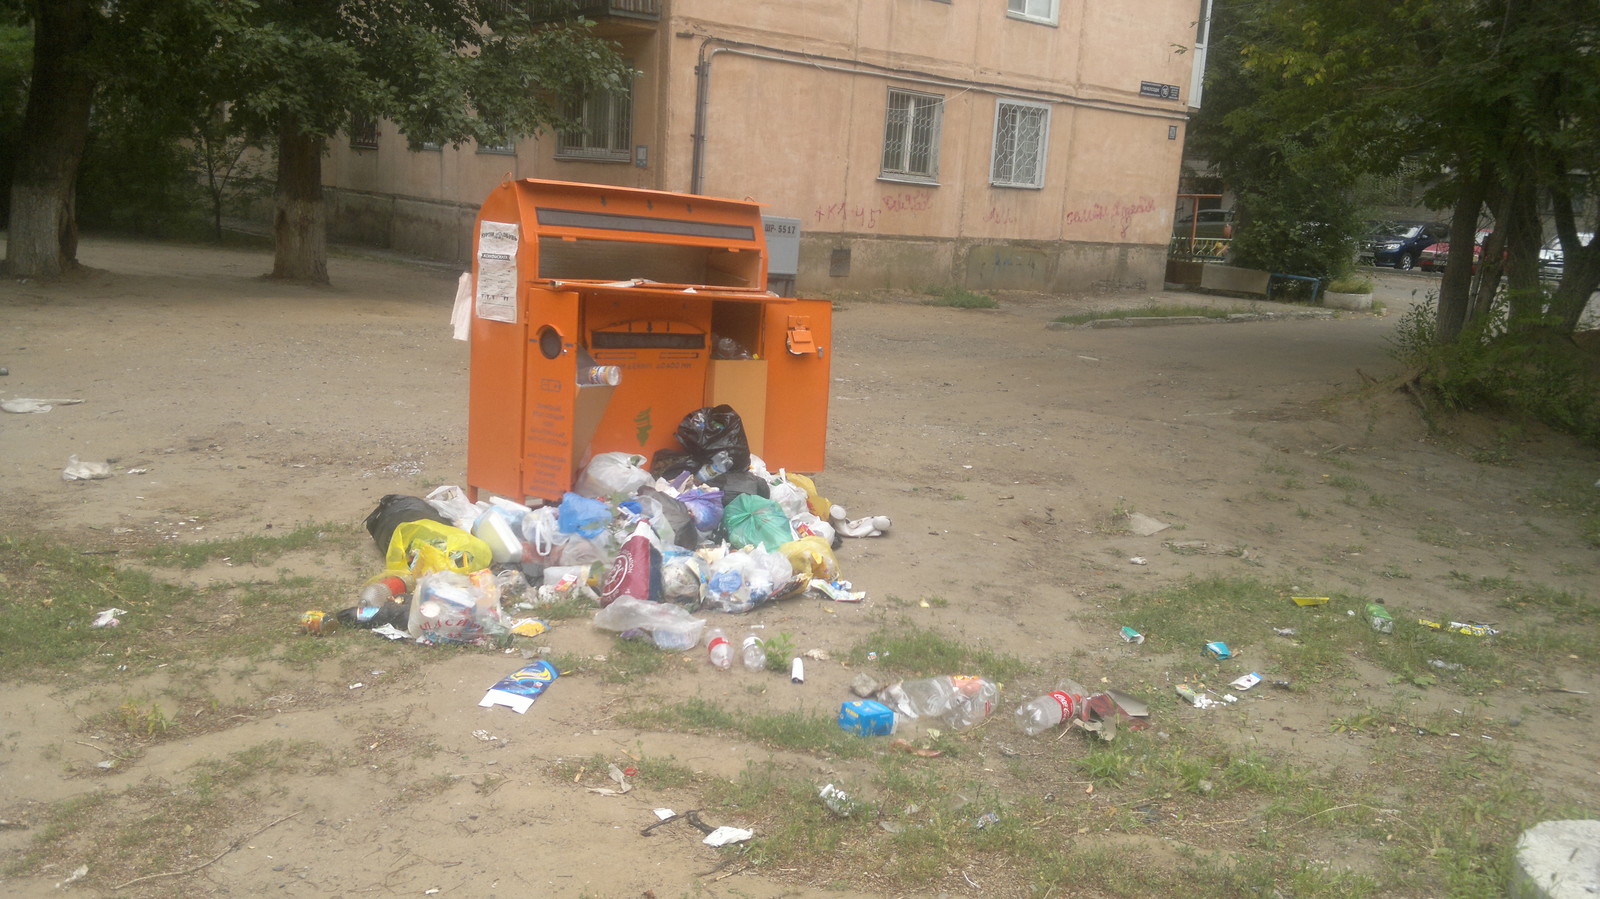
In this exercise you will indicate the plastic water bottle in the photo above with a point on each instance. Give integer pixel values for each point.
(718, 648)
(753, 652)
(1047, 711)
(718, 465)
(960, 701)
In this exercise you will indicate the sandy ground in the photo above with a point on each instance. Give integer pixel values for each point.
(1000, 447)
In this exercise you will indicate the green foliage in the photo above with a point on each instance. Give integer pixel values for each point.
(959, 297)
(1492, 366)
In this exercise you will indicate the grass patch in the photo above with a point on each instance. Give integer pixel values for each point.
(959, 298)
(1168, 310)
(158, 826)
(795, 731)
(911, 651)
(248, 550)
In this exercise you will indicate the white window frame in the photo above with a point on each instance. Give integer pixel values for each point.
(605, 132)
(896, 161)
(1047, 12)
(1006, 176)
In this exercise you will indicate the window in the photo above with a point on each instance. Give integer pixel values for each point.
(605, 128)
(911, 136)
(507, 148)
(1032, 10)
(1020, 131)
(363, 132)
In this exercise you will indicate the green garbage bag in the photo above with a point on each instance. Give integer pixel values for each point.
(754, 520)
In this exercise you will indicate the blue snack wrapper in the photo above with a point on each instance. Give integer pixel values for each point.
(519, 689)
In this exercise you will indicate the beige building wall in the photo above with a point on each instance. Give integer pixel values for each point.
(785, 103)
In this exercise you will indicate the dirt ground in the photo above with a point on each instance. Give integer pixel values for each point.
(1001, 448)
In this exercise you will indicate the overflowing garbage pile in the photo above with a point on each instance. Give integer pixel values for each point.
(707, 528)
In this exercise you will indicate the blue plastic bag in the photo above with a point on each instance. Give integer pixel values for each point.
(582, 516)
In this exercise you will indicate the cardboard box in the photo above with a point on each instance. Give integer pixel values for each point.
(866, 718)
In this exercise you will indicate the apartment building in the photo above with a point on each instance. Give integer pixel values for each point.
(1027, 144)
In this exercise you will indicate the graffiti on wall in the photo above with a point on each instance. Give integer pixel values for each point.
(869, 216)
(1117, 210)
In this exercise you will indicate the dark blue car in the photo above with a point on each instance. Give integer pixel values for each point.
(1400, 244)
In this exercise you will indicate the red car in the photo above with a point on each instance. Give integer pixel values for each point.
(1434, 256)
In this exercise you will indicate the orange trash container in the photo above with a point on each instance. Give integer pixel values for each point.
(577, 286)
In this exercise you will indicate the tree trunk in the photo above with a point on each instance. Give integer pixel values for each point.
(300, 226)
(43, 238)
(1580, 278)
(1456, 286)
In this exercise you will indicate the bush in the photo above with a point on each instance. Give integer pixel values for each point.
(1491, 368)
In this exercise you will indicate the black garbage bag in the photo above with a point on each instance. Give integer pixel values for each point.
(734, 484)
(678, 515)
(706, 432)
(397, 509)
(667, 464)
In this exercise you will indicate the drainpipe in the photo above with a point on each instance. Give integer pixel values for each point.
(702, 99)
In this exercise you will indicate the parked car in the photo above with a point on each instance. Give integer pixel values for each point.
(1553, 259)
(1209, 224)
(1400, 244)
(1434, 256)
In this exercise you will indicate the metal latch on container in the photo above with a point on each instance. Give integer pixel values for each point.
(800, 340)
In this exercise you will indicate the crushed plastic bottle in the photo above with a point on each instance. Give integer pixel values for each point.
(959, 701)
(1047, 711)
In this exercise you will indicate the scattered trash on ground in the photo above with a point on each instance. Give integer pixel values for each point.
(108, 618)
(1129, 635)
(520, 688)
(1218, 650)
(79, 470)
(1310, 600)
(24, 405)
(1461, 627)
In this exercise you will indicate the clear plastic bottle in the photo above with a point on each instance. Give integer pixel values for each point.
(753, 652)
(719, 464)
(960, 702)
(1045, 712)
(718, 648)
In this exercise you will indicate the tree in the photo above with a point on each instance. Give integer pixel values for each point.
(42, 234)
(1500, 98)
(292, 73)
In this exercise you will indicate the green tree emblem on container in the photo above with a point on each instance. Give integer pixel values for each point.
(642, 420)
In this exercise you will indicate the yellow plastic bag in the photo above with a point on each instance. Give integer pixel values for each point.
(423, 547)
(811, 554)
(819, 505)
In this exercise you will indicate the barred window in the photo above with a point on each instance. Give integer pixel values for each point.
(605, 127)
(1020, 132)
(911, 135)
(363, 132)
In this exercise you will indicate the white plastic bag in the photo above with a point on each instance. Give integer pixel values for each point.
(792, 497)
(540, 530)
(452, 503)
(78, 470)
(613, 474)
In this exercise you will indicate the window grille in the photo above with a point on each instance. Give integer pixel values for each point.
(605, 128)
(363, 132)
(1020, 132)
(911, 135)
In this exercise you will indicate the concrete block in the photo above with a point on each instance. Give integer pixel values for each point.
(1354, 302)
(1557, 860)
(1230, 279)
